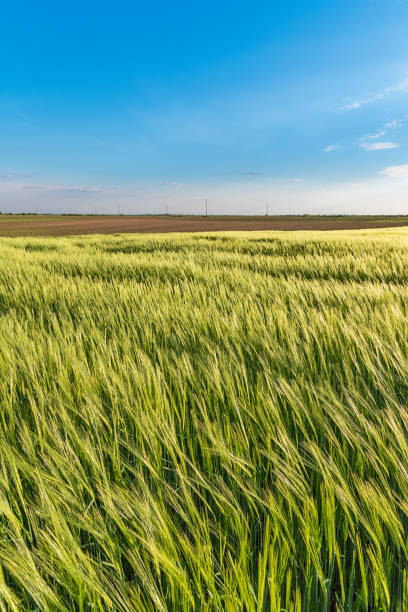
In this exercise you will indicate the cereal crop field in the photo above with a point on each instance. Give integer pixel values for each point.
(212, 421)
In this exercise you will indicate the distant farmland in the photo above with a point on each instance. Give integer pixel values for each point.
(204, 421)
(63, 225)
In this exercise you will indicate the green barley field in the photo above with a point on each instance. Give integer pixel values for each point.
(204, 422)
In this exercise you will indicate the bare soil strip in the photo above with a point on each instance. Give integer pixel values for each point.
(60, 225)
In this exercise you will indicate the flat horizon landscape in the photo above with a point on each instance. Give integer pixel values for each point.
(65, 225)
(204, 410)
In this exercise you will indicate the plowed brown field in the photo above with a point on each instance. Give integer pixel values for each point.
(60, 225)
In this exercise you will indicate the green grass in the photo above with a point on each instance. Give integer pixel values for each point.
(204, 422)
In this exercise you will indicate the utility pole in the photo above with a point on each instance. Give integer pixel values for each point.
(118, 209)
(206, 208)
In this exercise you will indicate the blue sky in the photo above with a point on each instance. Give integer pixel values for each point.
(154, 105)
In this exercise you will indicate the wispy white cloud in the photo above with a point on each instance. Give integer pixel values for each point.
(396, 171)
(353, 105)
(379, 134)
(400, 86)
(330, 148)
(362, 102)
(378, 146)
(394, 124)
(80, 189)
(62, 188)
(8, 183)
(254, 174)
(12, 176)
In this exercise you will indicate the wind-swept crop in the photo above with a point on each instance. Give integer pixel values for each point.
(204, 422)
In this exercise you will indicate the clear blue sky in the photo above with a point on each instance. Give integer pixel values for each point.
(148, 105)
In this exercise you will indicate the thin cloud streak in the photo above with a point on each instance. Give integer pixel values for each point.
(59, 188)
(395, 124)
(399, 87)
(362, 102)
(378, 146)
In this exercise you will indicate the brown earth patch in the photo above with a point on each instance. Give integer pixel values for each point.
(60, 225)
